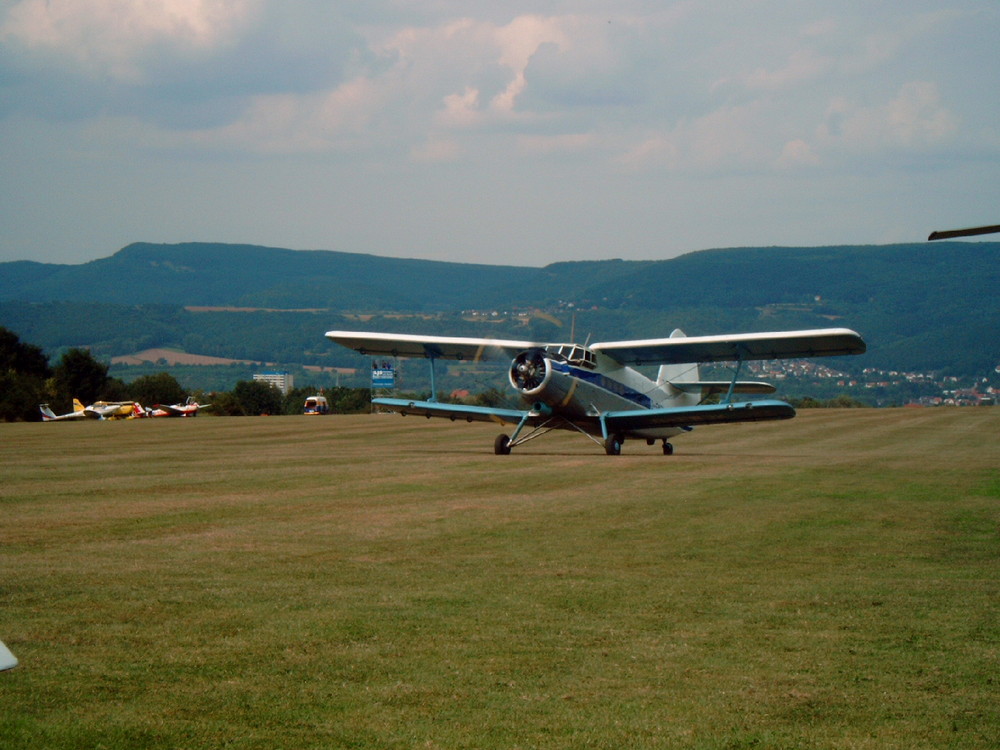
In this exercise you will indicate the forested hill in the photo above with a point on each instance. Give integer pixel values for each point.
(249, 275)
(904, 278)
(927, 306)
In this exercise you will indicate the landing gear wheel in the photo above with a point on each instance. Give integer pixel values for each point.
(501, 446)
(668, 449)
(613, 445)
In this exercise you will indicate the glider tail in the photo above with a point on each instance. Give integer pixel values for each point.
(685, 372)
(47, 413)
(77, 406)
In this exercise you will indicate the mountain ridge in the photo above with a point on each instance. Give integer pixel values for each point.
(919, 306)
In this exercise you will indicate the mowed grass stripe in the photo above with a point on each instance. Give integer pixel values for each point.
(381, 582)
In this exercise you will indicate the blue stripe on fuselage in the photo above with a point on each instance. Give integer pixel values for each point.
(604, 383)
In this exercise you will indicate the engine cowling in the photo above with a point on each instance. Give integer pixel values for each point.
(530, 372)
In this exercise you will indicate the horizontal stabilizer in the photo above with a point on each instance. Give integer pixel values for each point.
(708, 387)
(823, 342)
(437, 347)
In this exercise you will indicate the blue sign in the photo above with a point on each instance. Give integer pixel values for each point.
(384, 378)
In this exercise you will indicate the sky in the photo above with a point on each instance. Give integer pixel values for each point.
(515, 133)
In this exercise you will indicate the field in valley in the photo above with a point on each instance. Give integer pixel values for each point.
(379, 582)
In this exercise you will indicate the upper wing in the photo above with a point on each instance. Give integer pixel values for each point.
(438, 347)
(822, 342)
(687, 416)
(458, 411)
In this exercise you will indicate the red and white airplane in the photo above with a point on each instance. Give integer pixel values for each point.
(188, 409)
(594, 390)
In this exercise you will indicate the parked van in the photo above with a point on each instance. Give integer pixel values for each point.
(316, 405)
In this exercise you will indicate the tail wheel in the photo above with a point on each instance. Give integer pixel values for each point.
(613, 445)
(501, 446)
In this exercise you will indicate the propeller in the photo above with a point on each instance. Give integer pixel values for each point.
(528, 370)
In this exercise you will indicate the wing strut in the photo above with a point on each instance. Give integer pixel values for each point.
(520, 426)
(433, 384)
(604, 426)
(732, 386)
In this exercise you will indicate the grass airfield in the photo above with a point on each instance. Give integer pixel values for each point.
(380, 582)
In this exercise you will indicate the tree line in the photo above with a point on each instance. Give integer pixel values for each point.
(27, 379)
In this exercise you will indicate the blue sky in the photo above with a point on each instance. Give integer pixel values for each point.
(519, 133)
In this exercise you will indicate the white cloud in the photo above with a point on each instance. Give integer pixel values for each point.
(803, 66)
(109, 38)
(296, 123)
(437, 150)
(914, 119)
(526, 102)
(797, 153)
(460, 110)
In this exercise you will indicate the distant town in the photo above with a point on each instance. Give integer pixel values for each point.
(881, 387)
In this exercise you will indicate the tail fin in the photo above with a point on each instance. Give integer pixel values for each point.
(684, 372)
(47, 414)
(77, 406)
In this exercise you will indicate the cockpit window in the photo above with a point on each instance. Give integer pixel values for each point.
(574, 354)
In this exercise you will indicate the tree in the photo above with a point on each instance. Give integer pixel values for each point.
(349, 400)
(79, 375)
(225, 404)
(256, 397)
(161, 388)
(296, 398)
(24, 359)
(23, 370)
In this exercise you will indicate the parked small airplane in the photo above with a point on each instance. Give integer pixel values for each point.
(188, 409)
(593, 390)
(114, 410)
(97, 410)
(79, 412)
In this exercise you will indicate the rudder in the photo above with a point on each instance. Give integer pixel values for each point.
(681, 372)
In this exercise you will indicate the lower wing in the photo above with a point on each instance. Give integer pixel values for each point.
(457, 411)
(688, 416)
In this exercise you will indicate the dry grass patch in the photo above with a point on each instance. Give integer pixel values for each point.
(390, 583)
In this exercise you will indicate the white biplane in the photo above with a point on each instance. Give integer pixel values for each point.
(594, 390)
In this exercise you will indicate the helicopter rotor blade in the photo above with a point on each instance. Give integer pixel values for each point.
(950, 233)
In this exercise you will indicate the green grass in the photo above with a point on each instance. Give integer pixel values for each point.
(378, 582)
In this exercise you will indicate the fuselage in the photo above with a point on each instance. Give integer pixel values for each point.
(580, 385)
